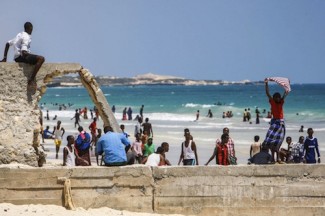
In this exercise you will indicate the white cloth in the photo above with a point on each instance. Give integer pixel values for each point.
(58, 133)
(282, 81)
(70, 157)
(188, 152)
(21, 43)
(153, 160)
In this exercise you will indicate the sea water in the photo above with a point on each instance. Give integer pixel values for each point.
(172, 108)
(305, 103)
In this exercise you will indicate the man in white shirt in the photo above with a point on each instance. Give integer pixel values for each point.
(21, 44)
(156, 159)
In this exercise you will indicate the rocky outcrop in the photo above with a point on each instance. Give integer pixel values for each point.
(19, 113)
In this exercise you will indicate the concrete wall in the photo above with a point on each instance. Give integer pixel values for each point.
(19, 113)
(213, 190)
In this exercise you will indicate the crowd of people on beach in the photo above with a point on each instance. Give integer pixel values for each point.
(116, 149)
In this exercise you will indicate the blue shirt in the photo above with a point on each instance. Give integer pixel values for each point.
(113, 145)
(311, 145)
(47, 134)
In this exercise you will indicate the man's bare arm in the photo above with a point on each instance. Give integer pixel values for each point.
(267, 91)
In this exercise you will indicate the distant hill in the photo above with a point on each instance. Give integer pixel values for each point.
(143, 79)
(152, 76)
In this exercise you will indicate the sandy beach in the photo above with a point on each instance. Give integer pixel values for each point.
(7, 209)
(205, 132)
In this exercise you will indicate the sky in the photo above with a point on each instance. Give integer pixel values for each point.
(229, 40)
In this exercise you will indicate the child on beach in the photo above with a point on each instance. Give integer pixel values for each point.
(298, 150)
(137, 148)
(69, 153)
(144, 138)
(276, 132)
(122, 127)
(255, 147)
(149, 148)
(310, 146)
(47, 134)
(285, 154)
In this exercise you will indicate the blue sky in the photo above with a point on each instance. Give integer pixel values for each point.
(198, 39)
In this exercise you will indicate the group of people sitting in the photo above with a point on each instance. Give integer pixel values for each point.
(304, 151)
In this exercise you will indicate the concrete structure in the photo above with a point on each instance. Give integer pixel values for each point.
(199, 190)
(19, 114)
(214, 190)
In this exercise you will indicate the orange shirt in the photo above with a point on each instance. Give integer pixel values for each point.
(277, 109)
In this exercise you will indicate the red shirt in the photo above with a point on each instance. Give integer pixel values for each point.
(277, 109)
(93, 127)
(222, 154)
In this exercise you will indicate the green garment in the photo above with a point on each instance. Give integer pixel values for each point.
(148, 149)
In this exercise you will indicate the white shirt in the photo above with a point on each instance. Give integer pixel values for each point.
(188, 152)
(153, 160)
(70, 157)
(58, 133)
(21, 43)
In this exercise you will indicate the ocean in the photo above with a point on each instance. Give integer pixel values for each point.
(305, 103)
(172, 108)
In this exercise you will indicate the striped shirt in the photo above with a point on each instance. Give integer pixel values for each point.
(230, 146)
(282, 81)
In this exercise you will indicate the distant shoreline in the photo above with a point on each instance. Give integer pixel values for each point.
(150, 79)
(146, 79)
(54, 85)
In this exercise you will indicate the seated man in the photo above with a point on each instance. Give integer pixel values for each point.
(21, 44)
(285, 154)
(47, 134)
(263, 157)
(156, 159)
(165, 146)
(115, 146)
